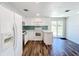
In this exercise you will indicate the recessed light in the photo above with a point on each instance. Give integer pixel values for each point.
(37, 2)
(78, 12)
(67, 10)
(25, 9)
(37, 14)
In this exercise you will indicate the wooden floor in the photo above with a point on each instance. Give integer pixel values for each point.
(59, 47)
(36, 48)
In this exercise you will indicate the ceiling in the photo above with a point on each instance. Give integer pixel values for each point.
(46, 9)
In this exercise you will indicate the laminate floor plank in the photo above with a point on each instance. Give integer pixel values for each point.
(59, 47)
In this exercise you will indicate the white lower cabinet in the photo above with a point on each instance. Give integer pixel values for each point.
(48, 38)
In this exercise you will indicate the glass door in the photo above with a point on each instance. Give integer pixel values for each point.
(60, 29)
(54, 28)
(57, 28)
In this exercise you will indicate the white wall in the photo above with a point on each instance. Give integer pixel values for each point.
(73, 28)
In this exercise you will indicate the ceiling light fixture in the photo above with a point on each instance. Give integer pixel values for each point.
(37, 14)
(54, 13)
(67, 10)
(37, 2)
(78, 12)
(25, 9)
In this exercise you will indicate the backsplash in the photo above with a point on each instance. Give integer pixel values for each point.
(33, 27)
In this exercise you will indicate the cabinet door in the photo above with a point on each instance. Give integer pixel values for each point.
(6, 28)
(18, 34)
